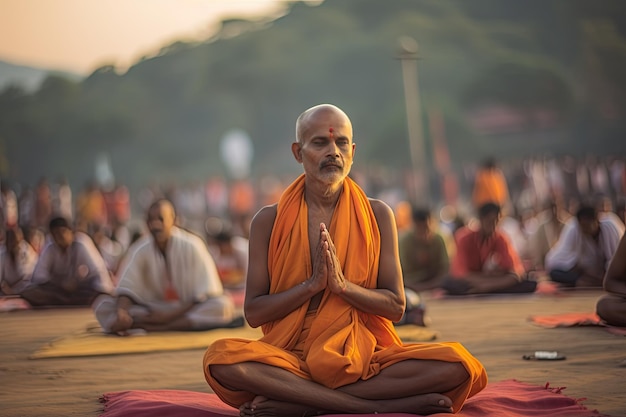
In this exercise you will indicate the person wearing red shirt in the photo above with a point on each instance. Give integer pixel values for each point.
(485, 261)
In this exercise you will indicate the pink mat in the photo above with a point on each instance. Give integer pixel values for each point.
(575, 319)
(508, 398)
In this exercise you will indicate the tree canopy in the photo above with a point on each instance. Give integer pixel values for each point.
(164, 118)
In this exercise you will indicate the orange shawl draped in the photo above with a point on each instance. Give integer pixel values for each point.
(343, 344)
(341, 337)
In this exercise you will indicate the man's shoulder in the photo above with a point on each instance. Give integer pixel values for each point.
(84, 242)
(141, 244)
(437, 238)
(466, 234)
(611, 221)
(187, 237)
(82, 238)
(266, 215)
(377, 201)
(501, 236)
(380, 208)
(270, 209)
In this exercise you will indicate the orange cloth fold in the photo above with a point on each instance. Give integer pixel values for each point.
(342, 344)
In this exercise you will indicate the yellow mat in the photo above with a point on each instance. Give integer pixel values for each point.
(93, 342)
(410, 333)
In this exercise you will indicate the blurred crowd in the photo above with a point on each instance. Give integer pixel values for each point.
(529, 191)
(520, 224)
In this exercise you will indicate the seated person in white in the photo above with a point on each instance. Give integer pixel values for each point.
(69, 271)
(584, 249)
(168, 281)
(17, 262)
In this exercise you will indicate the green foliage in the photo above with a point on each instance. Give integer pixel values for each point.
(164, 118)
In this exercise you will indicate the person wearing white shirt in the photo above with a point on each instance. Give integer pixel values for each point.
(168, 281)
(586, 245)
(69, 271)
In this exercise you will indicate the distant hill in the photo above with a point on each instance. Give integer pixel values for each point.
(496, 78)
(28, 78)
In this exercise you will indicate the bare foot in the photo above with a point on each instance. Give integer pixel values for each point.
(419, 404)
(123, 322)
(424, 404)
(263, 407)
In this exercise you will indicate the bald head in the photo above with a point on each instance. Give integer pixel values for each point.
(324, 144)
(162, 203)
(314, 113)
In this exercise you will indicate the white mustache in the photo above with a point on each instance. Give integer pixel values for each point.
(332, 163)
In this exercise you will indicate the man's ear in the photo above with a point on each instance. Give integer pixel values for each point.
(296, 149)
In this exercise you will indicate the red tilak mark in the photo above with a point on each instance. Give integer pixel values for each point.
(331, 130)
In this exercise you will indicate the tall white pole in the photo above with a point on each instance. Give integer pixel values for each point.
(408, 58)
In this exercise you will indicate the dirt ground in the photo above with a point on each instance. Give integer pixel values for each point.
(495, 329)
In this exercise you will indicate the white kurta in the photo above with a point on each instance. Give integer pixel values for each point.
(187, 264)
(81, 260)
(574, 247)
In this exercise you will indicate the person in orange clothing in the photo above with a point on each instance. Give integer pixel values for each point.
(490, 185)
(325, 285)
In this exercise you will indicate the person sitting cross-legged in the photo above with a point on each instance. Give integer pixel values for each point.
(485, 261)
(585, 247)
(425, 263)
(168, 281)
(325, 284)
(423, 254)
(69, 271)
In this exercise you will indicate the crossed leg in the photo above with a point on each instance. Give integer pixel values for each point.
(412, 386)
(612, 309)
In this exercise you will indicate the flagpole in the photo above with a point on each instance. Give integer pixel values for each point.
(408, 57)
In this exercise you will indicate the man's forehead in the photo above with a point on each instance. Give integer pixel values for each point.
(160, 210)
(329, 124)
(323, 121)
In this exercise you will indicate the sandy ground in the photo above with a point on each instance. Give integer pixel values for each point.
(495, 329)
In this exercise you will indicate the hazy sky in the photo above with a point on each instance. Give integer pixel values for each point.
(82, 35)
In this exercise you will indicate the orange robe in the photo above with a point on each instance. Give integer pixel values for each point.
(490, 186)
(340, 344)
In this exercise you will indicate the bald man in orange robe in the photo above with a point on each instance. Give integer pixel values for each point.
(325, 284)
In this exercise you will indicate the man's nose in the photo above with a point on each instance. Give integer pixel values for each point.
(333, 149)
(154, 223)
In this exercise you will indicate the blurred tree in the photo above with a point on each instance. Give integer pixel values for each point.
(165, 116)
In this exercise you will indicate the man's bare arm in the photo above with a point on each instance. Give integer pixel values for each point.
(260, 307)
